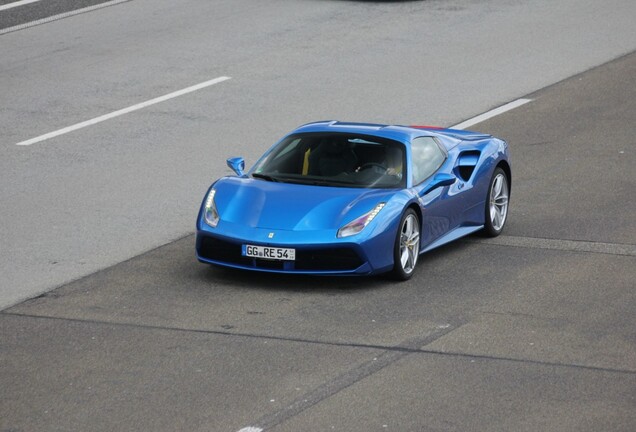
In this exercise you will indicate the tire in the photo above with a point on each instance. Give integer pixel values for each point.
(406, 249)
(497, 203)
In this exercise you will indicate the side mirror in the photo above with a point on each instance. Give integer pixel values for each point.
(439, 180)
(237, 164)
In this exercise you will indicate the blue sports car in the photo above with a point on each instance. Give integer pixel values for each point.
(336, 198)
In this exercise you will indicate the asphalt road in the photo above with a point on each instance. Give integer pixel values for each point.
(93, 197)
(534, 330)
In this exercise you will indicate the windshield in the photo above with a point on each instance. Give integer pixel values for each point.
(335, 159)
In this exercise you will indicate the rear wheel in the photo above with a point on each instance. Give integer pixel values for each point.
(407, 246)
(497, 203)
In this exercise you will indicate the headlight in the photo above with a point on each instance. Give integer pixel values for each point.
(210, 213)
(357, 225)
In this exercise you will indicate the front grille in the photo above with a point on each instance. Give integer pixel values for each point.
(326, 259)
(268, 264)
(219, 250)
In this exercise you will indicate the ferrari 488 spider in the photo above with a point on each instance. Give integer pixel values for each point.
(337, 198)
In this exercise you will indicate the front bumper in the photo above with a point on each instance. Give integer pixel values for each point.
(323, 258)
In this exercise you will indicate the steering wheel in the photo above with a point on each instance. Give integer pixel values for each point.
(372, 165)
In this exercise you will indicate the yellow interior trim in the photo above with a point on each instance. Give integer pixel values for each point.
(306, 162)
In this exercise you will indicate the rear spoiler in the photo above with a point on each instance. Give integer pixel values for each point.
(460, 134)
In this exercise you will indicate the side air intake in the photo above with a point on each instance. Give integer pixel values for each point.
(466, 164)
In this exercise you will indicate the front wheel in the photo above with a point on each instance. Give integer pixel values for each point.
(407, 246)
(497, 203)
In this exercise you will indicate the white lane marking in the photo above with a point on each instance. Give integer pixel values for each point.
(16, 4)
(123, 111)
(61, 16)
(490, 114)
(251, 429)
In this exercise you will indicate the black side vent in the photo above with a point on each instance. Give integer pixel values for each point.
(466, 164)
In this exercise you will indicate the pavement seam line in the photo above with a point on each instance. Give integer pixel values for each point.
(400, 347)
(559, 244)
(46, 292)
(404, 347)
(349, 378)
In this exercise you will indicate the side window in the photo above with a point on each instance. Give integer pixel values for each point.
(427, 157)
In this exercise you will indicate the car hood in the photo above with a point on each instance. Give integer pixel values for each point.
(282, 206)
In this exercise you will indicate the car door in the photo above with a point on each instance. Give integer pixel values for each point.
(439, 212)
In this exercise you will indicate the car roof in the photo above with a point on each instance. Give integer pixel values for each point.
(405, 134)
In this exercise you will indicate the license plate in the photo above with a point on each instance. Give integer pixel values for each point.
(270, 253)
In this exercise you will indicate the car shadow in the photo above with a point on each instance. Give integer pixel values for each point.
(290, 282)
(264, 281)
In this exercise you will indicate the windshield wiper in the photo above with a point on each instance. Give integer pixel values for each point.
(265, 177)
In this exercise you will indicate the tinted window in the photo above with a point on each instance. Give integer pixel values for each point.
(427, 158)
